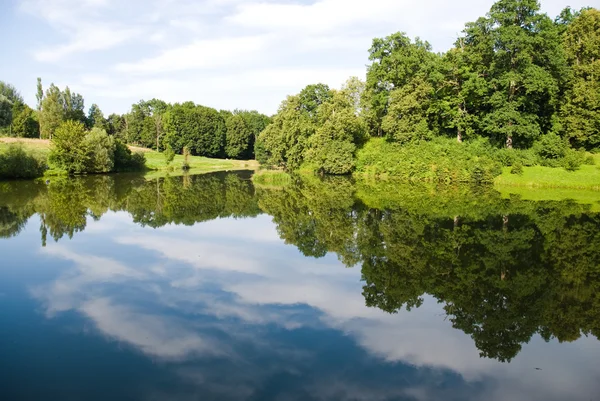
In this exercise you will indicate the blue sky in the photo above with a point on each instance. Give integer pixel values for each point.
(221, 53)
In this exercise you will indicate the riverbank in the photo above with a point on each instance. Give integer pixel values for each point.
(155, 161)
(586, 177)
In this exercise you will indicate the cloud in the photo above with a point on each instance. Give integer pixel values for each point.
(199, 55)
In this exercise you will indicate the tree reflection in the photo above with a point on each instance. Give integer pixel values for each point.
(504, 269)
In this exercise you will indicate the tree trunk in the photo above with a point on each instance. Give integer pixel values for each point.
(459, 136)
(509, 142)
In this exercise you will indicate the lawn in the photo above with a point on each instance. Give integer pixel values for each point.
(587, 177)
(154, 160)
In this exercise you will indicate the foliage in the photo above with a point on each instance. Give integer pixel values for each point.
(101, 149)
(580, 112)
(517, 168)
(15, 162)
(25, 124)
(125, 160)
(440, 160)
(69, 151)
(169, 154)
(201, 129)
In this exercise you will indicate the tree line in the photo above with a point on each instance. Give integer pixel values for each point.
(515, 79)
(152, 124)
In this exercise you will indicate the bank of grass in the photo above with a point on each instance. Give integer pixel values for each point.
(586, 177)
(271, 178)
(156, 161)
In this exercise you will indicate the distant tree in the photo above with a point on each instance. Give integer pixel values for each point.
(95, 118)
(25, 124)
(115, 125)
(39, 94)
(73, 106)
(52, 113)
(238, 137)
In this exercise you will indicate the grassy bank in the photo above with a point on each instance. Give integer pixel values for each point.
(157, 161)
(586, 177)
(154, 160)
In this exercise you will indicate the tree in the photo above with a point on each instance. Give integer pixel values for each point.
(238, 137)
(10, 101)
(69, 151)
(95, 118)
(519, 53)
(199, 128)
(580, 111)
(52, 113)
(396, 61)
(73, 106)
(101, 150)
(115, 125)
(25, 124)
(39, 95)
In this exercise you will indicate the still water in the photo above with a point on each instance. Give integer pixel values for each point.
(207, 288)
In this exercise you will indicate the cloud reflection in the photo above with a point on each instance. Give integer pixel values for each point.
(229, 290)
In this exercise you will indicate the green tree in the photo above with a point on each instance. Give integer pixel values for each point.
(581, 109)
(238, 138)
(101, 150)
(52, 113)
(25, 124)
(95, 118)
(69, 151)
(396, 61)
(520, 55)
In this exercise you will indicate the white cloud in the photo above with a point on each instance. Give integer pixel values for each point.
(223, 53)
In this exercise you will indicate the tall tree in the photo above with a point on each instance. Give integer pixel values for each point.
(396, 61)
(581, 109)
(520, 56)
(39, 95)
(96, 118)
(52, 113)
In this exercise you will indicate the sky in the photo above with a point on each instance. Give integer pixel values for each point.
(226, 54)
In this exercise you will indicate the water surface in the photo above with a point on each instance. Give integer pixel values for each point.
(206, 288)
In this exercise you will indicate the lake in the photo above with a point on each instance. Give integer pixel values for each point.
(207, 288)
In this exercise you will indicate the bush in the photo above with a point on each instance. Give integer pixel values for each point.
(169, 154)
(550, 150)
(573, 160)
(15, 162)
(101, 150)
(125, 160)
(439, 160)
(517, 169)
(69, 151)
(589, 160)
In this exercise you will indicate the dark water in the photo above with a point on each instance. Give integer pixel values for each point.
(206, 288)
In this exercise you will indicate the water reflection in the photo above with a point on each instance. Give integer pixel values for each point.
(224, 311)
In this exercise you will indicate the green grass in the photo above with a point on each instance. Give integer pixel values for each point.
(271, 178)
(156, 161)
(587, 177)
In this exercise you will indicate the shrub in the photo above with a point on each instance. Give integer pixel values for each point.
(101, 150)
(69, 151)
(439, 160)
(550, 150)
(589, 160)
(169, 154)
(125, 160)
(573, 160)
(15, 162)
(517, 169)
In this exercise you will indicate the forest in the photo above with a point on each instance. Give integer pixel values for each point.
(518, 89)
